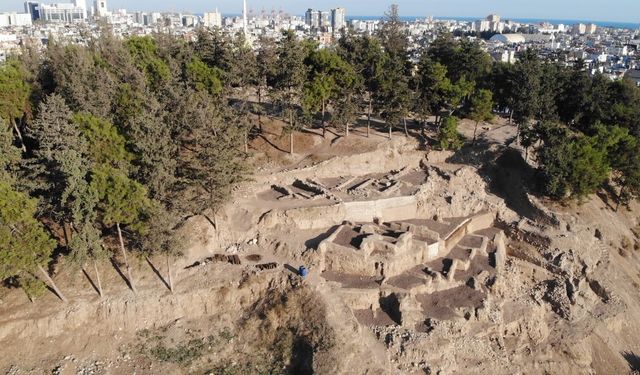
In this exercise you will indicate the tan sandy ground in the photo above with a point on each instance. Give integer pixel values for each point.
(569, 303)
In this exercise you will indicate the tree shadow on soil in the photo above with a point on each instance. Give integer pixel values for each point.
(93, 285)
(116, 266)
(315, 242)
(379, 128)
(272, 144)
(155, 270)
(291, 268)
(301, 357)
(633, 360)
(507, 174)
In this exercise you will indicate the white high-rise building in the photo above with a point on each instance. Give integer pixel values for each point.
(580, 28)
(312, 18)
(15, 19)
(493, 18)
(317, 19)
(325, 18)
(81, 4)
(482, 26)
(62, 12)
(100, 8)
(213, 19)
(491, 23)
(245, 23)
(338, 21)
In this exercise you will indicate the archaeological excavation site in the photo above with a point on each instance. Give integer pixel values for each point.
(304, 191)
(415, 263)
(407, 272)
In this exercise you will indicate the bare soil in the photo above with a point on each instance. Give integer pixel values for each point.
(569, 301)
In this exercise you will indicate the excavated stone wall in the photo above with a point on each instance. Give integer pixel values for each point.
(360, 299)
(388, 209)
(400, 153)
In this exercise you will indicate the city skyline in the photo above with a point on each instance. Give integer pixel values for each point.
(624, 11)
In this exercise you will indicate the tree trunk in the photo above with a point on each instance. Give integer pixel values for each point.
(246, 142)
(510, 117)
(518, 134)
(291, 131)
(324, 129)
(347, 130)
(126, 261)
(475, 131)
(620, 196)
(52, 284)
(260, 108)
(406, 131)
(95, 268)
(169, 278)
(66, 230)
(390, 127)
(19, 134)
(369, 117)
(291, 143)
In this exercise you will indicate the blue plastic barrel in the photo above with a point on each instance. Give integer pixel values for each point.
(303, 271)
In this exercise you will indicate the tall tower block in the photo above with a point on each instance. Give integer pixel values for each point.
(244, 19)
(100, 8)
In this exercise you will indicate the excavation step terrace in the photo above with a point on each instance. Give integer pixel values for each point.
(403, 272)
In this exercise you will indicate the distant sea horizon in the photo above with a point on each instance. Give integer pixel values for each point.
(613, 24)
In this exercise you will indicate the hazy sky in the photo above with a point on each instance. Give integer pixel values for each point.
(596, 10)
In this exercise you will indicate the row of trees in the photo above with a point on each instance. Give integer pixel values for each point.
(121, 141)
(116, 140)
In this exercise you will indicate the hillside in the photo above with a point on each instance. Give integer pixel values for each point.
(565, 299)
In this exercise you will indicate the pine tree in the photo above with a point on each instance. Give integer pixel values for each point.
(572, 165)
(211, 163)
(14, 95)
(204, 77)
(444, 50)
(481, 109)
(365, 55)
(10, 159)
(432, 86)
(82, 77)
(121, 202)
(393, 93)
(106, 147)
(149, 131)
(330, 80)
(345, 102)
(25, 246)
(60, 166)
(266, 72)
(393, 35)
(472, 63)
(245, 71)
(289, 79)
(526, 87)
(393, 86)
(105, 143)
(449, 138)
(145, 54)
(160, 237)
